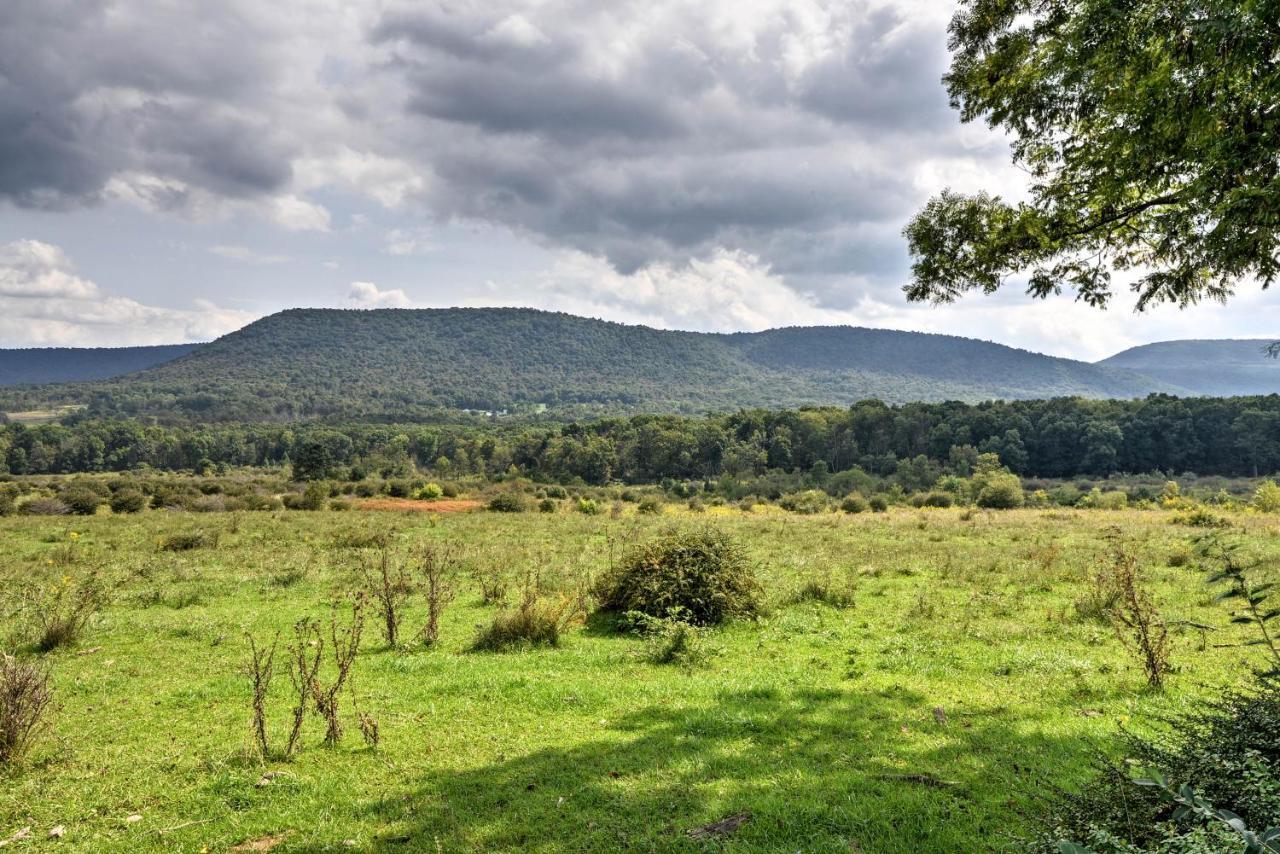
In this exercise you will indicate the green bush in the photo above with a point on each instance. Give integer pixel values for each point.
(185, 542)
(80, 500)
(1228, 751)
(939, 499)
(430, 492)
(535, 622)
(878, 503)
(547, 505)
(649, 506)
(702, 575)
(669, 640)
(128, 501)
(7, 504)
(507, 502)
(588, 506)
(806, 503)
(854, 503)
(1000, 492)
(1266, 498)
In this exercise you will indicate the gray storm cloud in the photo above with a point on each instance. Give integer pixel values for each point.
(639, 132)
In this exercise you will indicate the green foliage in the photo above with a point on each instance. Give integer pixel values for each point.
(878, 503)
(508, 502)
(806, 503)
(429, 492)
(1201, 517)
(1227, 751)
(649, 506)
(536, 621)
(669, 640)
(80, 500)
(702, 575)
(854, 503)
(588, 507)
(1239, 576)
(997, 490)
(1076, 84)
(1266, 498)
(188, 541)
(128, 501)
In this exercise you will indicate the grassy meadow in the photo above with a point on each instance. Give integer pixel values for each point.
(917, 678)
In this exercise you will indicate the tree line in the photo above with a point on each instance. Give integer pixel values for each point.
(1056, 438)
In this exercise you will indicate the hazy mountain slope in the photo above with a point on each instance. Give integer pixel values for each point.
(404, 363)
(1207, 367)
(76, 364)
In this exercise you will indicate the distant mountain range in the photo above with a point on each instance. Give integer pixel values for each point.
(401, 364)
(1214, 368)
(77, 364)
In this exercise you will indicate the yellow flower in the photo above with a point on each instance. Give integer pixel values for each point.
(74, 535)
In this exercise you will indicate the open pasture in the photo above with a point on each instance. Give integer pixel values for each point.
(916, 677)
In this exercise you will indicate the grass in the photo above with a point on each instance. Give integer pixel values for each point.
(920, 717)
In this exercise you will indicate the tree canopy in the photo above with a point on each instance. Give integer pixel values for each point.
(1150, 131)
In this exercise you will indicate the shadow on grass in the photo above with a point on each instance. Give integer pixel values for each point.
(816, 770)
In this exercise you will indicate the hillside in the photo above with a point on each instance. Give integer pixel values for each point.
(406, 364)
(78, 364)
(1220, 368)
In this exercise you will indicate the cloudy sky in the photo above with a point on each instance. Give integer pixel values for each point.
(171, 170)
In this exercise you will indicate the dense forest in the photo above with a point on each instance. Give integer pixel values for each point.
(1043, 438)
(398, 365)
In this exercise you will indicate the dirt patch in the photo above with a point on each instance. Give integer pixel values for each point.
(265, 843)
(408, 505)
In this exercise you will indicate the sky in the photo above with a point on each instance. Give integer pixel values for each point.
(170, 171)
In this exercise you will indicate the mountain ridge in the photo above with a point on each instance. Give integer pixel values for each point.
(390, 364)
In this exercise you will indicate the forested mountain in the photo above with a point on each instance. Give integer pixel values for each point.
(396, 364)
(1223, 367)
(78, 364)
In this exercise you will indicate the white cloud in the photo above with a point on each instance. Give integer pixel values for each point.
(44, 302)
(247, 255)
(409, 241)
(367, 295)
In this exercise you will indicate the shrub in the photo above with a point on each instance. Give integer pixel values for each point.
(939, 499)
(649, 506)
(507, 502)
(26, 698)
(536, 621)
(702, 575)
(547, 505)
(878, 503)
(1199, 517)
(669, 640)
(588, 507)
(44, 507)
(1227, 750)
(806, 503)
(7, 505)
(63, 611)
(824, 591)
(128, 501)
(1000, 492)
(185, 542)
(1266, 498)
(80, 500)
(854, 503)
(429, 492)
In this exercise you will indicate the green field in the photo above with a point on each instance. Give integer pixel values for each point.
(924, 716)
